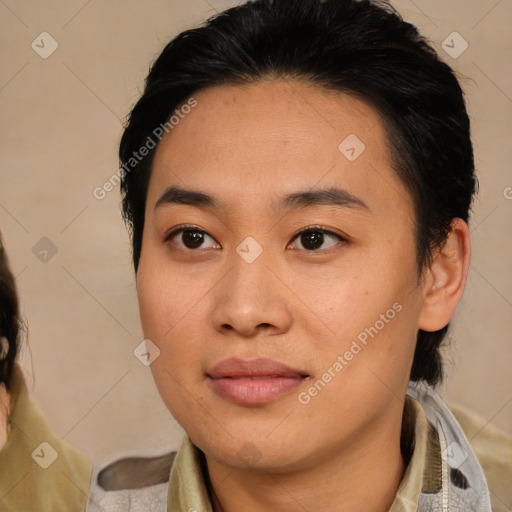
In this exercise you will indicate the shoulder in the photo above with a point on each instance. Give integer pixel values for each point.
(52, 475)
(493, 448)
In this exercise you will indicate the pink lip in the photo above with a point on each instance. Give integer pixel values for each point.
(255, 381)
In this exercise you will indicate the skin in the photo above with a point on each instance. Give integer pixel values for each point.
(248, 146)
(4, 411)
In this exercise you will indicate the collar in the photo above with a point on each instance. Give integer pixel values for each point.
(39, 471)
(417, 474)
(188, 491)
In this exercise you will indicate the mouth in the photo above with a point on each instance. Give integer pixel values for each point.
(255, 381)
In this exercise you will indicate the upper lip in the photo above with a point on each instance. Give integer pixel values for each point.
(260, 367)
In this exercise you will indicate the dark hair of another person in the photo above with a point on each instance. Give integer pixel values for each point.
(10, 326)
(362, 48)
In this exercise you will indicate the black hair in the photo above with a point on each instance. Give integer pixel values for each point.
(10, 323)
(358, 47)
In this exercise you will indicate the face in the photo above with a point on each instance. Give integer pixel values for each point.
(283, 294)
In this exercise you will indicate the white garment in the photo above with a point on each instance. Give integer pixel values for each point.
(456, 454)
(147, 499)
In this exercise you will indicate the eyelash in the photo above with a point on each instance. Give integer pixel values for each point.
(324, 231)
(310, 229)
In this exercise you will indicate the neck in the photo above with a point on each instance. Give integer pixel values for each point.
(341, 482)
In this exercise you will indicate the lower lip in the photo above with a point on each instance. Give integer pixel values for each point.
(257, 391)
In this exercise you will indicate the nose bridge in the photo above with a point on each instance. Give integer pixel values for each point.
(250, 295)
(249, 281)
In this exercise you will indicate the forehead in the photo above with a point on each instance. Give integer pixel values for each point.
(273, 138)
(276, 114)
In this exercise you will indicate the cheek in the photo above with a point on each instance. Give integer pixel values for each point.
(150, 294)
(166, 299)
(172, 317)
(372, 315)
(166, 315)
(356, 297)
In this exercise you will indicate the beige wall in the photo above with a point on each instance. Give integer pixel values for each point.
(60, 125)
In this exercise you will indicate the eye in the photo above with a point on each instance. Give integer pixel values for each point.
(313, 238)
(190, 237)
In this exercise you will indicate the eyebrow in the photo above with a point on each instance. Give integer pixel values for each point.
(332, 196)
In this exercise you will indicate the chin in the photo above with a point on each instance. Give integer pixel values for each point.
(256, 453)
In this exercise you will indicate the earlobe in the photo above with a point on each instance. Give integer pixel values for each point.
(445, 279)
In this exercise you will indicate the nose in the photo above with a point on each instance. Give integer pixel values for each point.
(251, 300)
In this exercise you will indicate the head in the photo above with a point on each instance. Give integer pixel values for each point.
(333, 116)
(10, 326)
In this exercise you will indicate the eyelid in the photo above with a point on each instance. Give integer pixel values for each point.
(326, 231)
(184, 227)
(321, 228)
(181, 227)
(316, 228)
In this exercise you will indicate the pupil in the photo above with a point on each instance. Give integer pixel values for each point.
(192, 239)
(312, 240)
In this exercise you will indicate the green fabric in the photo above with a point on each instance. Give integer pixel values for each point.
(187, 488)
(25, 485)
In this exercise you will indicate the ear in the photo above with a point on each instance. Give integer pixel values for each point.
(444, 281)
